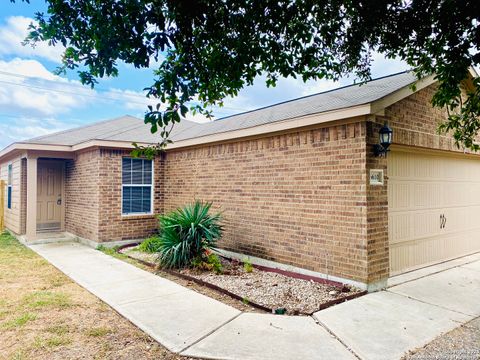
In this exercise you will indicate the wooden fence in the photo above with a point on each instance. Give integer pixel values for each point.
(2, 205)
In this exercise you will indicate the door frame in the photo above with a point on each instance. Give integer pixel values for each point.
(62, 186)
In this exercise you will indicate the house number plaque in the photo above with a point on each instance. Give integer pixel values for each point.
(376, 177)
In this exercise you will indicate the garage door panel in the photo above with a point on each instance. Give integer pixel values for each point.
(434, 202)
(425, 224)
(418, 253)
(410, 225)
(399, 227)
(399, 196)
(427, 195)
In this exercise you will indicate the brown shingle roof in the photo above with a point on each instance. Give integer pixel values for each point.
(132, 129)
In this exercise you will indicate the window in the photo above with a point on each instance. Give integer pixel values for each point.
(137, 192)
(9, 187)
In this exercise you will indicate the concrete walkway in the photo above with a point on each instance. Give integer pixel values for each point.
(381, 325)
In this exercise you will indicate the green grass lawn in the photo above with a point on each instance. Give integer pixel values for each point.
(44, 315)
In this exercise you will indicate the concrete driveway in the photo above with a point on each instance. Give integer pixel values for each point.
(386, 324)
(382, 325)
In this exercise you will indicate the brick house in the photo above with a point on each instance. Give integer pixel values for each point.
(298, 182)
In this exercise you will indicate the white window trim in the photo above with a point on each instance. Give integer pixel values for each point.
(152, 189)
(9, 186)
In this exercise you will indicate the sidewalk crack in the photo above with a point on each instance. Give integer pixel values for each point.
(321, 324)
(210, 333)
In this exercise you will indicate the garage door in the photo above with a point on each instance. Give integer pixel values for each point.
(434, 209)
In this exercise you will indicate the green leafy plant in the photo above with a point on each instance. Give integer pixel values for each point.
(210, 262)
(188, 233)
(150, 245)
(247, 266)
(112, 251)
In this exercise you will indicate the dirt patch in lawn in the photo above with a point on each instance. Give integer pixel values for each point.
(44, 315)
(270, 290)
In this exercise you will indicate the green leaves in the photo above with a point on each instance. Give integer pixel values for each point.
(464, 117)
(212, 49)
(187, 233)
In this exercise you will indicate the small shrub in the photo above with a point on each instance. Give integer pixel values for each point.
(187, 233)
(150, 245)
(210, 262)
(214, 260)
(247, 266)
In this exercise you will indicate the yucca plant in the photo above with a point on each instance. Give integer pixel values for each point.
(188, 233)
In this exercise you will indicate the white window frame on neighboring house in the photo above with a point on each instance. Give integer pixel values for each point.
(141, 184)
(9, 185)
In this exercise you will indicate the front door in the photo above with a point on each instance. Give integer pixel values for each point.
(50, 195)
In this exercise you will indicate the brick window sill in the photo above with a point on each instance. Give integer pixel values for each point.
(138, 217)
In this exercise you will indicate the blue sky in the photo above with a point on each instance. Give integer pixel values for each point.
(34, 101)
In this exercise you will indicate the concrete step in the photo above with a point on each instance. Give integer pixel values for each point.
(49, 237)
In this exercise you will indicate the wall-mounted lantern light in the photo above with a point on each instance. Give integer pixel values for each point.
(385, 138)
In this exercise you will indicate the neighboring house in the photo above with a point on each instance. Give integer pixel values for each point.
(293, 181)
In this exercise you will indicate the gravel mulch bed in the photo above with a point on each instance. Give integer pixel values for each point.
(462, 343)
(269, 289)
(214, 294)
(274, 290)
(139, 255)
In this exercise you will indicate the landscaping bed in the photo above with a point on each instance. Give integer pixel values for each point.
(268, 289)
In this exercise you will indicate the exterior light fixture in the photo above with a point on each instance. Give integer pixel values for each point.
(385, 138)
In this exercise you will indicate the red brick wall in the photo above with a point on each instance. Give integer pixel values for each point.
(414, 123)
(82, 194)
(112, 226)
(377, 212)
(301, 198)
(297, 199)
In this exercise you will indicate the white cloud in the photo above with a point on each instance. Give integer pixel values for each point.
(132, 100)
(23, 89)
(27, 84)
(382, 66)
(22, 128)
(14, 32)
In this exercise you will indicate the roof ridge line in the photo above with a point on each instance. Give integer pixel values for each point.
(118, 132)
(315, 94)
(80, 127)
(143, 124)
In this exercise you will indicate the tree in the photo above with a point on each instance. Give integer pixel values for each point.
(210, 49)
